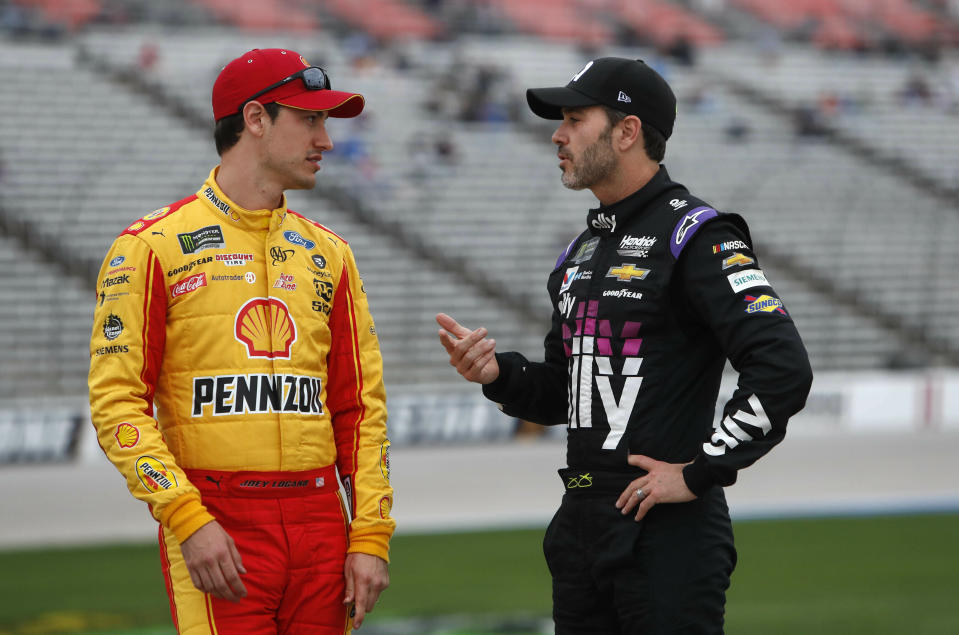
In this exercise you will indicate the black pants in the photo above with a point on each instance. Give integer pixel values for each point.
(665, 574)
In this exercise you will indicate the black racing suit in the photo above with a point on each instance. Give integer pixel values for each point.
(648, 303)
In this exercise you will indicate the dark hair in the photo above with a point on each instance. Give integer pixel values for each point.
(654, 143)
(227, 131)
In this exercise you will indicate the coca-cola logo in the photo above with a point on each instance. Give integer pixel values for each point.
(187, 285)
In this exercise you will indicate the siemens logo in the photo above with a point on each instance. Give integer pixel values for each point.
(257, 393)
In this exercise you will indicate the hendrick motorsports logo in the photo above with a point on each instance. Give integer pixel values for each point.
(204, 238)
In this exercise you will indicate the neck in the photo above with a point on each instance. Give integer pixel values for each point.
(627, 179)
(246, 186)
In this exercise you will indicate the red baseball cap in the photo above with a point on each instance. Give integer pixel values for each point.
(277, 75)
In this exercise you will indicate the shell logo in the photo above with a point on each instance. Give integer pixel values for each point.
(154, 475)
(266, 328)
(135, 226)
(303, 59)
(386, 504)
(385, 460)
(127, 435)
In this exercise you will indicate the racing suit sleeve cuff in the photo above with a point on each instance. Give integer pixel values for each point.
(184, 516)
(697, 476)
(374, 544)
(498, 390)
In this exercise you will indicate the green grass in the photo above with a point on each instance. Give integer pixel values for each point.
(828, 576)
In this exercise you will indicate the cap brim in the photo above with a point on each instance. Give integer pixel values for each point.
(548, 103)
(337, 103)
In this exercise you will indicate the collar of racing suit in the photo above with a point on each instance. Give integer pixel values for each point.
(258, 220)
(603, 221)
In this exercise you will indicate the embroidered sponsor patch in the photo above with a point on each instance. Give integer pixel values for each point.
(747, 279)
(210, 237)
(764, 304)
(737, 260)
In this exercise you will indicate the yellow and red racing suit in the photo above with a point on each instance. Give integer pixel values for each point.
(251, 333)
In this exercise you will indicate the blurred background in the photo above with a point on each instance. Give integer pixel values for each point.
(831, 125)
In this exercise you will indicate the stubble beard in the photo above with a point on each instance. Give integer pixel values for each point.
(595, 163)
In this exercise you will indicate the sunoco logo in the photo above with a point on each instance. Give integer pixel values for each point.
(205, 238)
(153, 474)
(296, 239)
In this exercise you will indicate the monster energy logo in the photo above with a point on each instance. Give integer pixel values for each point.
(204, 238)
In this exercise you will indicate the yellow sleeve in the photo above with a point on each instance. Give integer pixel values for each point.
(357, 401)
(126, 350)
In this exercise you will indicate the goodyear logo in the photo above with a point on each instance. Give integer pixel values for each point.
(764, 304)
(737, 260)
(154, 475)
(296, 239)
(210, 237)
(625, 273)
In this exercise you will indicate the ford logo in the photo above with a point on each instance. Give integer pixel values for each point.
(296, 239)
(116, 262)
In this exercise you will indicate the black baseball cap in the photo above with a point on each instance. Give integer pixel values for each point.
(624, 84)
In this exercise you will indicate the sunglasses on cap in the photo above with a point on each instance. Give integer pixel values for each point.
(314, 78)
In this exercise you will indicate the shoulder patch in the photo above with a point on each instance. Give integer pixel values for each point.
(138, 226)
(687, 227)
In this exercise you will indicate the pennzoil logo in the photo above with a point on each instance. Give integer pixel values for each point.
(737, 260)
(127, 435)
(385, 460)
(154, 475)
(157, 213)
(257, 394)
(266, 328)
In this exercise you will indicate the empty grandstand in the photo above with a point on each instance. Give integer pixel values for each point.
(844, 162)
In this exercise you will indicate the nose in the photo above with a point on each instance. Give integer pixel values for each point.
(322, 140)
(560, 137)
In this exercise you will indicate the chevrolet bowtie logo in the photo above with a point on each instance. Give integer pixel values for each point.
(625, 273)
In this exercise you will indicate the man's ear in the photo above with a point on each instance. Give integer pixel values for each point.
(630, 132)
(255, 118)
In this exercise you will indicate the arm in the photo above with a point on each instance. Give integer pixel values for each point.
(754, 329)
(356, 398)
(126, 350)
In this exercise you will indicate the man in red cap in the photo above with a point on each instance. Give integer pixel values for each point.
(248, 327)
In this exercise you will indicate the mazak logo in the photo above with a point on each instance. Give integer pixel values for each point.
(592, 349)
(626, 272)
(204, 238)
(266, 328)
(258, 393)
(602, 221)
(296, 239)
(121, 279)
(188, 285)
(737, 260)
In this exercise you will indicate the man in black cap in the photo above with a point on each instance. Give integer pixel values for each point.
(648, 304)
